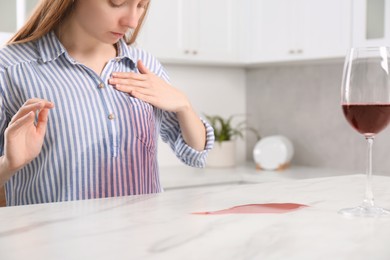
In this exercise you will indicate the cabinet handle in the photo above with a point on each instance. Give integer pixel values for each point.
(297, 51)
(193, 52)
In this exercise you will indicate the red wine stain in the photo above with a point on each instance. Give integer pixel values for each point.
(277, 208)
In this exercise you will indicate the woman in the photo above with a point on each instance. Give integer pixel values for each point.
(111, 102)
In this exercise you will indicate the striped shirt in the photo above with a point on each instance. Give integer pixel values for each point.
(100, 142)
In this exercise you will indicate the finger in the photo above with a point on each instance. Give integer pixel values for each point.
(131, 89)
(128, 82)
(27, 119)
(141, 67)
(35, 100)
(42, 121)
(142, 96)
(128, 75)
(41, 103)
(125, 89)
(31, 107)
(25, 109)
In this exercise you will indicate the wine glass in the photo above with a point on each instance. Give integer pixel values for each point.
(365, 100)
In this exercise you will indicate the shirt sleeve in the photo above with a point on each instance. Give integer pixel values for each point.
(171, 133)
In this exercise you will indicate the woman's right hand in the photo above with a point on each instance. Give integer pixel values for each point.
(23, 138)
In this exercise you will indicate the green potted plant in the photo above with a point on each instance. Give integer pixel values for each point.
(226, 132)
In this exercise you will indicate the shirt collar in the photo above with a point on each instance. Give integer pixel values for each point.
(124, 51)
(50, 48)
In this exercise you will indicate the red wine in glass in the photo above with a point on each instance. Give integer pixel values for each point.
(367, 119)
(365, 100)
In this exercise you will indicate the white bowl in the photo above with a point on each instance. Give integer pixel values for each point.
(273, 152)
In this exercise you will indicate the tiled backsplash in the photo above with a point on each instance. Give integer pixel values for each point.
(302, 102)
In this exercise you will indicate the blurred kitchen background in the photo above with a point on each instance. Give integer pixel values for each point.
(278, 62)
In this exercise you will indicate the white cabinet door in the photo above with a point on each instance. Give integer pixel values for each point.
(371, 23)
(214, 30)
(285, 30)
(326, 29)
(271, 26)
(191, 30)
(164, 32)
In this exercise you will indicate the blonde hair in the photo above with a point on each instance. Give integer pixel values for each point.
(49, 14)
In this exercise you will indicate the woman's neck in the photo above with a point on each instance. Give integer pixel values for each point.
(79, 43)
(83, 47)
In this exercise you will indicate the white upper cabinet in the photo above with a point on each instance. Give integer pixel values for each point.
(162, 32)
(326, 28)
(371, 20)
(245, 31)
(284, 30)
(192, 30)
(270, 33)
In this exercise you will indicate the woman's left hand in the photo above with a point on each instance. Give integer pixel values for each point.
(150, 88)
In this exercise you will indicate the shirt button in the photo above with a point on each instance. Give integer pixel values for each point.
(117, 59)
(101, 85)
(111, 116)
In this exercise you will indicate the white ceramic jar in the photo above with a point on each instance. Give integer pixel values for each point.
(273, 152)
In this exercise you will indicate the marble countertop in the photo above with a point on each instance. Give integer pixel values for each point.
(161, 226)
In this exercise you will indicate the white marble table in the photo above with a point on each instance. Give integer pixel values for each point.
(161, 226)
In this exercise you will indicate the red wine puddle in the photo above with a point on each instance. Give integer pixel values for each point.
(277, 208)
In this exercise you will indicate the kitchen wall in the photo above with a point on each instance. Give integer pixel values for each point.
(302, 102)
(212, 90)
(298, 100)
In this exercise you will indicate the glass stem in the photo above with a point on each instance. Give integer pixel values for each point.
(369, 199)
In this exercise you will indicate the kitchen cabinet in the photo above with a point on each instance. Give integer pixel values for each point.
(284, 30)
(192, 30)
(241, 32)
(371, 22)
(13, 15)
